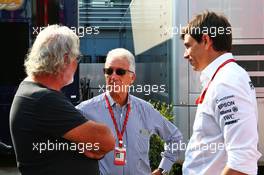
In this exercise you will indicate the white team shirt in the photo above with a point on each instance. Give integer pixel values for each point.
(225, 126)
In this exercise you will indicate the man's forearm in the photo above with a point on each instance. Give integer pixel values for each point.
(94, 155)
(95, 134)
(229, 171)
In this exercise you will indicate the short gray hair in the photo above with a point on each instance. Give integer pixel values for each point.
(121, 52)
(48, 51)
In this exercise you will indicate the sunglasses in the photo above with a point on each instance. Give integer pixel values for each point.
(118, 71)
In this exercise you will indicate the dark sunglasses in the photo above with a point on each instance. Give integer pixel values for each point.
(118, 71)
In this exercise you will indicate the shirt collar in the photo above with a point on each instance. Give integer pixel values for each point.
(112, 102)
(209, 71)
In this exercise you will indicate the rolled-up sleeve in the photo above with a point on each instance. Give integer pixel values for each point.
(238, 121)
(172, 137)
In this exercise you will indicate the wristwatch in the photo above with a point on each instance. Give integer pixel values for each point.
(163, 172)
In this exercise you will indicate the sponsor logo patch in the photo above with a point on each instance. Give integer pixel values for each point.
(251, 85)
(226, 104)
(231, 122)
(225, 111)
(234, 109)
(224, 98)
(228, 117)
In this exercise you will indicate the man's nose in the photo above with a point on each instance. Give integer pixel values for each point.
(114, 76)
(186, 54)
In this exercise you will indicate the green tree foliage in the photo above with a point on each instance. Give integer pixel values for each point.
(156, 144)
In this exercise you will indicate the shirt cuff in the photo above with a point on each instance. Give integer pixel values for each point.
(244, 161)
(165, 164)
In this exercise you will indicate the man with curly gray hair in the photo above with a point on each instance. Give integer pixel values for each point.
(49, 135)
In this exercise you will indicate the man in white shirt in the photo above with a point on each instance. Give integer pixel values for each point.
(225, 136)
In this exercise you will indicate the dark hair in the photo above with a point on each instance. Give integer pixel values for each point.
(203, 23)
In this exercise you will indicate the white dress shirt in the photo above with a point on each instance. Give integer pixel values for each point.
(225, 127)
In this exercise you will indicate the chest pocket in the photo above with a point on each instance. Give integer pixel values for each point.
(143, 137)
(205, 124)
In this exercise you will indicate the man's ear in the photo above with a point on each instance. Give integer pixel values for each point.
(66, 58)
(133, 78)
(207, 41)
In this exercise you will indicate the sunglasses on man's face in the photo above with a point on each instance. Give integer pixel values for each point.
(118, 71)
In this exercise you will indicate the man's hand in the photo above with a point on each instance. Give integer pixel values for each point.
(156, 172)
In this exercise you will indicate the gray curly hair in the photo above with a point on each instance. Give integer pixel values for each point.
(48, 51)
